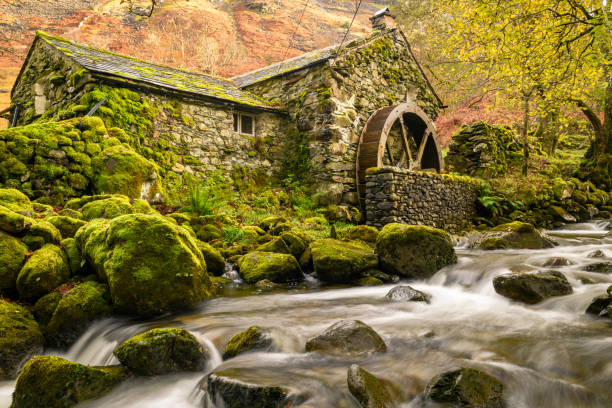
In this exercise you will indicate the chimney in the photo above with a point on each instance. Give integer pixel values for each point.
(382, 20)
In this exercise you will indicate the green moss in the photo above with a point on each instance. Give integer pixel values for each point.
(371, 391)
(107, 208)
(364, 233)
(15, 200)
(252, 339)
(215, 264)
(337, 261)
(162, 351)
(516, 234)
(44, 308)
(46, 269)
(67, 226)
(53, 382)
(12, 257)
(279, 268)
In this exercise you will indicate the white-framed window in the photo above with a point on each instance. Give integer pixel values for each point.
(244, 124)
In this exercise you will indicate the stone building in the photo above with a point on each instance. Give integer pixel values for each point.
(341, 109)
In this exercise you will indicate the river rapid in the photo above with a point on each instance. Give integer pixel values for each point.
(547, 355)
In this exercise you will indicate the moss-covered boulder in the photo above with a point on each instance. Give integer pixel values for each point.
(72, 251)
(20, 338)
(67, 226)
(12, 258)
(39, 233)
(118, 169)
(276, 245)
(279, 268)
(407, 293)
(46, 269)
(370, 391)
(107, 208)
(348, 337)
(532, 287)
(53, 382)
(151, 265)
(466, 387)
(12, 222)
(209, 232)
(296, 243)
(162, 351)
(517, 235)
(75, 311)
(414, 251)
(215, 264)
(270, 223)
(44, 308)
(252, 339)
(337, 261)
(364, 233)
(15, 200)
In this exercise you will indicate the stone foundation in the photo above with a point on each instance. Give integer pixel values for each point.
(437, 200)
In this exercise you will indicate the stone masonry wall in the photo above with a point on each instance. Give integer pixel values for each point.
(437, 200)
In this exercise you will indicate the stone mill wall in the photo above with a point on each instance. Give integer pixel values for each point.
(437, 200)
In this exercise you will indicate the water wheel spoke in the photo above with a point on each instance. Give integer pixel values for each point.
(422, 148)
(389, 154)
(405, 142)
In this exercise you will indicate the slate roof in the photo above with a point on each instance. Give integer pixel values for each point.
(121, 66)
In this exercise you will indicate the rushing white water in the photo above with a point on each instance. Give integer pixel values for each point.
(547, 355)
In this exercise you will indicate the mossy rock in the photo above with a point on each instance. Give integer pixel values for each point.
(363, 233)
(253, 233)
(15, 200)
(414, 251)
(12, 222)
(599, 267)
(560, 214)
(151, 265)
(162, 351)
(348, 337)
(215, 264)
(180, 218)
(276, 245)
(368, 281)
(12, 257)
(107, 208)
(252, 339)
(515, 235)
(370, 391)
(279, 268)
(466, 387)
(337, 261)
(39, 233)
(78, 203)
(75, 260)
(44, 308)
(53, 382)
(278, 229)
(20, 338)
(209, 232)
(296, 244)
(75, 311)
(120, 170)
(269, 223)
(532, 287)
(45, 270)
(67, 226)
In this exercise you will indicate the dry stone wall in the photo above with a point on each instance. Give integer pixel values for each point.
(437, 200)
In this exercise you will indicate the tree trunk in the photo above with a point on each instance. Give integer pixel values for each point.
(524, 134)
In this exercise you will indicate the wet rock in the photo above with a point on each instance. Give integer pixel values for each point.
(162, 351)
(414, 251)
(364, 233)
(597, 254)
(266, 284)
(252, 339)
(53, 382)
(599, 304)
(232, 389)
(560, 214)
(533, 287)
(12, 257)
(517, 235)
(556, 262)
(337, 261)
(215, 264)
(347, 337)
(407, 294)
(20, 338)
(466, 387)
(599, 267)
(46, 269)
(371, 392)
(151, 265)
(279, 268)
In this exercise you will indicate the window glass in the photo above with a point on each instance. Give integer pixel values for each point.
(246, 124)
(235, 122)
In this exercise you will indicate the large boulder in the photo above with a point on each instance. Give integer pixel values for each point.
(532, 287)
(20, 338)
(279, 268)
(407, 293)
(53, 382)
(12, 257)
(40, 232)
(151, 265)
(15, 200)
(162, 351)
(75, 311)
(517, 235)
(46, 269)
(337, 261)
(466, 387)
(371, 392)
(107, 208)
(348, 337)
(12, 222)
(414, 251)
(67, 226)
(364, 233)
(252, 339)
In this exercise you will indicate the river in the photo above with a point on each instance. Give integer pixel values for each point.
(547, 355)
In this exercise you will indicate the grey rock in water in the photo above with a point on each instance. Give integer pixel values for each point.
(466, 387)
(370, 391)
(408, 294)
(599, 267)
(599, 305)
(348, 337)
(596, 254)
(533, 287)
(556, 262)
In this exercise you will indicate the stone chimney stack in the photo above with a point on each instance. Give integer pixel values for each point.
(382, 20)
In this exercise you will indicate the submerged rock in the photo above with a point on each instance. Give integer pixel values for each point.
(598, 253)
(408, 294)
(414, 251)
(556, 262)
(371, 392)
(12, 257)
(532, 287)
(347, 337)
(599, 267)
(252, 339)
(20, 338)
(53, 382)
(279, 268)
(46, 269)
(162, 351)
(516, 235)
(466, 387)
(151, 265)
(337, 261)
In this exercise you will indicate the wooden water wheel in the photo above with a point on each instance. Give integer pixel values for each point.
(398, 136)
